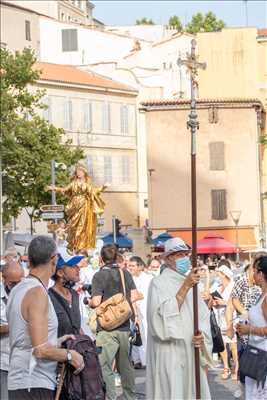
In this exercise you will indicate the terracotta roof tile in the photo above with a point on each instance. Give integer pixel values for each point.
(71, 75)
(262, 32)
(173, 101)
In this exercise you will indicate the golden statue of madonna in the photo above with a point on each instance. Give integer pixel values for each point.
(83, 207)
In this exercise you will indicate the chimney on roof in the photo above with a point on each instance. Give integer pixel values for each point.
(137, 46)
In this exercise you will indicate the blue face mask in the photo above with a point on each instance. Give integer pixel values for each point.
(182, 265)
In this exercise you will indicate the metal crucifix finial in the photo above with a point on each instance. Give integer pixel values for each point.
(192, 65)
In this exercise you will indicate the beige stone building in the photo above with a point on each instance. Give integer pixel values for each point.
(236, 67)
(77, 11)
(236, 63)
(228, 157)
(20, 21)
(99, 115)
(19, 28)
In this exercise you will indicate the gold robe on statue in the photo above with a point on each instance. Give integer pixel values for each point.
(82, 209)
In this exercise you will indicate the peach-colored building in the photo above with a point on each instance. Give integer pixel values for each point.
(228, 158)
(99, 115)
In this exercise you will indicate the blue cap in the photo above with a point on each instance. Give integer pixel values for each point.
(64, 258)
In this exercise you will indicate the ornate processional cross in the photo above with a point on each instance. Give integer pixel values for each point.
(193, 65)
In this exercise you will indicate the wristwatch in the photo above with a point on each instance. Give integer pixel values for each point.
(69, 356)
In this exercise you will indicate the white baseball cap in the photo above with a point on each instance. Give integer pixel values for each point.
(226, 271)
(175, 245)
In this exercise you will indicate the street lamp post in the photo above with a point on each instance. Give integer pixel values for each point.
(53, 182)
(151, 171)
(55, 165)
(193, 65)
(235, 214)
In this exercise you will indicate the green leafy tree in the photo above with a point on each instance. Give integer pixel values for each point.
(28, 142)
(205, 23)
(263, 140)
(176, 23)
(144, 21)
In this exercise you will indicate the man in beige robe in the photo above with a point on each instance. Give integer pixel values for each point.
(171, 340)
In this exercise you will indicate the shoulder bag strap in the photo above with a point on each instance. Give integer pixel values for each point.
(123, 282)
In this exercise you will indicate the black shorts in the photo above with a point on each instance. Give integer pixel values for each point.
(33, 394)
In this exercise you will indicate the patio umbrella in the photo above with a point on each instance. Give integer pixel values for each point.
(121, 240)
(215, 245)
(161, 239)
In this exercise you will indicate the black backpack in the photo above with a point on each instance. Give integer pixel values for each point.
(89, 383)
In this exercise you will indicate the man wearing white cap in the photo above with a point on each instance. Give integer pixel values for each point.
(171, 340)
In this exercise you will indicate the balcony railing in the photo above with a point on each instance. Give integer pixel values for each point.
(101, 140)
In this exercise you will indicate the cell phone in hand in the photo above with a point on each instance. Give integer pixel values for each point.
(216, 294)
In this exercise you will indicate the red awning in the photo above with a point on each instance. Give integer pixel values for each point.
(215, 245)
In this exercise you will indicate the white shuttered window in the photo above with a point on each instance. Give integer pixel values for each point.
(106, 121)
(90, 165)
(125, 170)
(87, 116)
(124, 119)
(68, 115)
(107, 169)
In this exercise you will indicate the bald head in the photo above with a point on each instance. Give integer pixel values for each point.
(12, 274)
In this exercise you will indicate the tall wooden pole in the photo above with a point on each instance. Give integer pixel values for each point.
(192, 124)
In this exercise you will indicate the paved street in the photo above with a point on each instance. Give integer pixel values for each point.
(220, 390)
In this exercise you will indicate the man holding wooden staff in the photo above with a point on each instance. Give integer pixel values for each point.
(171, 342)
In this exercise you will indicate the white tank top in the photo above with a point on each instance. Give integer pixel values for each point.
(256, 318)
(25, 371)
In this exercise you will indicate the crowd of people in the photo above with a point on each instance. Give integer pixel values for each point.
(54, 297)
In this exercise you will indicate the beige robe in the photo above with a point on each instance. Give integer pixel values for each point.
(170, 353)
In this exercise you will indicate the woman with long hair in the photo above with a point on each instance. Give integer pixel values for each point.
(84, 205)
(256, 328)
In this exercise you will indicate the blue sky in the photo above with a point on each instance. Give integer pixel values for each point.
(125, 12)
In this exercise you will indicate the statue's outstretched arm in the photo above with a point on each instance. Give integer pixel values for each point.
(102, 188)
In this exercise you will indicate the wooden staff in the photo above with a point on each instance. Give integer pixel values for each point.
(61, 381)
(192, 124)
